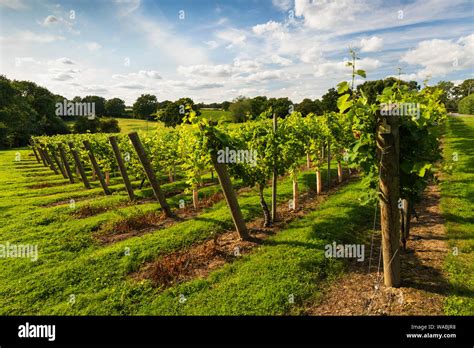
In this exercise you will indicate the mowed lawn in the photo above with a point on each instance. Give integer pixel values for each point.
(76, 274)
(457, 204)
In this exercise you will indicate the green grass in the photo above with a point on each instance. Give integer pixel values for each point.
(128, 125)
(70, 261)
(216, 115)
(457, 204)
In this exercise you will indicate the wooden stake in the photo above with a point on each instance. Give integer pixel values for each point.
(339, 171)
(195, 199)
(79, 166)
(318, 182)
(275, 176)
(389, 192)
(49, 161)
(122, 168)
(295, 194)
(36, 154)
(58, 163)
(230, 198)
(62, 153)
(137, 144)
(96, 167)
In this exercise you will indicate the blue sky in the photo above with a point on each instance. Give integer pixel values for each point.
(217, 50)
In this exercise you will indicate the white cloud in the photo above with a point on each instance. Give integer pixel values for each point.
(340, 69)
(440, 57)
(283, 5)
(65, 60)
(50, 20)
(270, 26)
(62, 77)
(212, 44)
(13, 4)
(93, 46)
(373, 44)
(221, 70)
(127, 7)
(276, 59)
(29, 37)
(233, 37)
(327, 15)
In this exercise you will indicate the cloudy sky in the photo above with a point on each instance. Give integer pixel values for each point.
(215, 50)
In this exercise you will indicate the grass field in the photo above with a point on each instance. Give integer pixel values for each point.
(457, 204)
(73, 264)
(77, 274)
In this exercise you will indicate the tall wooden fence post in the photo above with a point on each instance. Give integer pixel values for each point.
(96, 167)
(275, 174)
(36, 154)
(62, 153)
(388, 144)
(79, 166)
(231, 198)
(43, 158)
(137, 144)
(122, 168)
(58, 163)
(49, 160)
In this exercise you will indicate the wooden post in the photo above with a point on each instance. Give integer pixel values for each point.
(275, 176)
(195, 199)
(62, 153)
(96, 167)
(389, 191)
(295, 194)
(230, 197)
(318, 182)
(122, 168)
(339, 171)
(58, 163)
(329, 164)
(137, 144)
(79, 166)
(43, 158)
(48, 159)
(36, 154)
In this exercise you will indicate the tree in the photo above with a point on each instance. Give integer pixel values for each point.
(464, 89)
(240, 109)
(225, 105)
(85, 125)
(114, 107)
(145, 105)
(257, 106)
(466, 105)
(308, 106)
(281, 106)
(329, 100)
(374, 88)
(99, 104)
(174, 113)
(109, 125)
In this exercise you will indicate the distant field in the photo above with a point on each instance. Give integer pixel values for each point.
(128, 125)
(216, 115)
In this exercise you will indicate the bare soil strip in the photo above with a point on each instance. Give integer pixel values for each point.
(199, 260)
(424, 283)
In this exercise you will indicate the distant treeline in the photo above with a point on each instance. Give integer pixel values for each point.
(27, 109)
